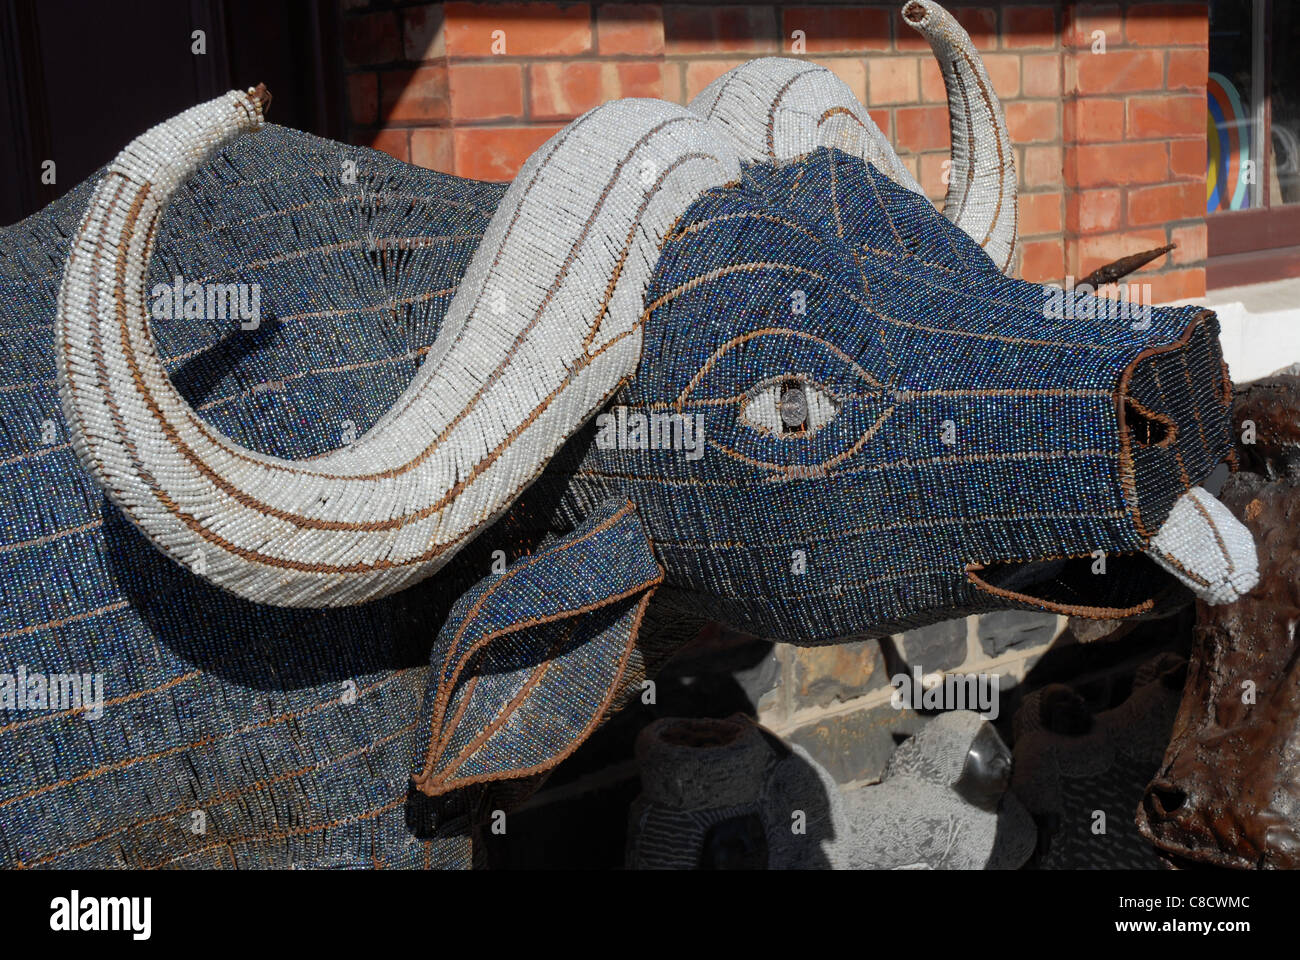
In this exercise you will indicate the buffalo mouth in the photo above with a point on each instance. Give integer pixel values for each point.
(1128, 585)
(1200, 545)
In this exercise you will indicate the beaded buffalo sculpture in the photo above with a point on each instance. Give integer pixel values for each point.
(717, 362)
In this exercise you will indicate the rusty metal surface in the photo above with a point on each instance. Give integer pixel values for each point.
(1122, 267)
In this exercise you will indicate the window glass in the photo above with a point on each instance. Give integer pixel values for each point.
(1231, 160)
(1284, 96)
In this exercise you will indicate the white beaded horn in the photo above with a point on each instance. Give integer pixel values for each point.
(982, 179)
(545, 326)
(777, 109)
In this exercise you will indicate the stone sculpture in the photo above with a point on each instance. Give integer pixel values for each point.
(1081, 774)
(941, 805)
(1228, 790)
(728, 794)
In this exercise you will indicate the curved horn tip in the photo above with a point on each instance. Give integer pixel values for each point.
(981, 197)
(915, 12)
(261, 95)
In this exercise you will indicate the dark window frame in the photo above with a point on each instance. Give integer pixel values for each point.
(1261, 244)
(291, 45)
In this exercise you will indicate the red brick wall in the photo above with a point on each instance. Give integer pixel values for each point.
(1134, 137)
(1110, 146)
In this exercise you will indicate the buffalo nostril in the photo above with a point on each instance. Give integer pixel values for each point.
(1166, 799)
(1148, 429)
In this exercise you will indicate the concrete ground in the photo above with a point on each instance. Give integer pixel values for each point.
(1260, 297)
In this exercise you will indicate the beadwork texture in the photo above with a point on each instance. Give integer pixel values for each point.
(891, 432)
(778, 109)
(982, 179)
(213, 703)
(530, 661)
(875, 523)
(544, 326)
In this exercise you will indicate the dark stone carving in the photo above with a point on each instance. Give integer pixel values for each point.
(940, 646)
(1228, 790)
(721, 795)
(1080, 773)
(1007, 629)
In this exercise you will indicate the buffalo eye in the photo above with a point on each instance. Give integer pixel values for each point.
(788, 407)
(794, 408)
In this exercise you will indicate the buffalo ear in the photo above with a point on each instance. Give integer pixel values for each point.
(531, 659)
